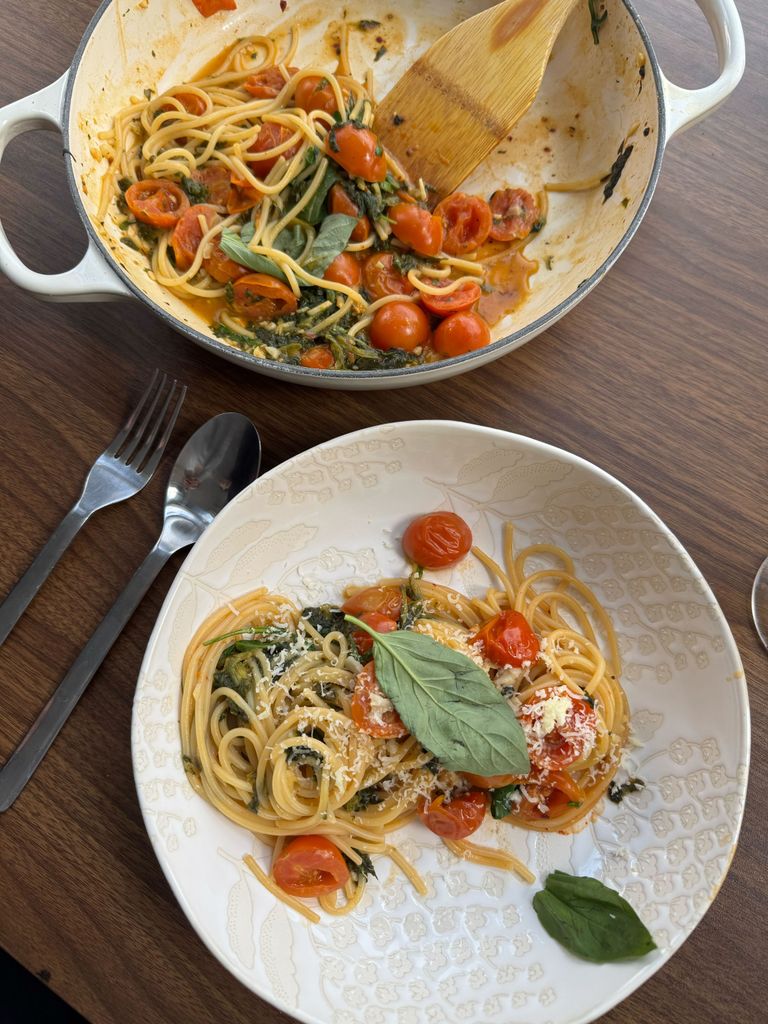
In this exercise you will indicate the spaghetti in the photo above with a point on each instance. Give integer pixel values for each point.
(286, 732)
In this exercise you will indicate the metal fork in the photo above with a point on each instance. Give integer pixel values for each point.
(122, 470)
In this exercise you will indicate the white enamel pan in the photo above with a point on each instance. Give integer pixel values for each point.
(595, 100)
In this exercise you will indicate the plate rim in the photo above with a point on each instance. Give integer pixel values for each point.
(645, 971)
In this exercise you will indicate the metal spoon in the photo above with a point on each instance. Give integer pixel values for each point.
(760, 603)
(217, 462)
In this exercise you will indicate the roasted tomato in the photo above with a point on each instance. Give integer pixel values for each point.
(514, 212)
(319, 357)
(466, 222)
(381, 277)
(310, 866)
(266, 84)
(209, 7)
(492, 781)
(188, 233)
(457, 301)
(220, 266)
(458, 818)
(345, 269)
(262, 297)
(156, 202)
(381, 623)
(460, 333)
(437, 540)
(215, 180)
(270, 136)
(548, 796)
(192, 103)
(340, 202)
(358, 151)
(417, 228)
(386, 724)
(507, 639)
(385, 600)
(399, 325)
(315, 93)
(568, 739)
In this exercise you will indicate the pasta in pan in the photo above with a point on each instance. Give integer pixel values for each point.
(293, 726)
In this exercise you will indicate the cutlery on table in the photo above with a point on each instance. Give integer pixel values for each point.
(217, 462)
(760, 603)
(122, 470)
(454, 104)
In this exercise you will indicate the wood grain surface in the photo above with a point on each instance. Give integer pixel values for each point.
(659, 376)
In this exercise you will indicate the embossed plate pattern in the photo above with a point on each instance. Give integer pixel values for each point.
(473, 950)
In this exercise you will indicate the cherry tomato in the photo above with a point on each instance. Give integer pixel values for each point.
(220, 266)
(514, 213)
(385, 600)
(192, 103)
(271, 135)
(386, 726)
(437, 540)
(556, 790)
(466, 222)
(315, 93)
(266, 84)
(261, 297)
(156, 202)
(358, 151)
(457, 819)
(417, 228)
(215, 179)
(381, 623)
(319, 357)
(188, 234)
(492, 781)
(209, 7)
(564, 744)
(460, 333)
(310, 866)
(344, 270)
(381, 277)
(462, 298)
(242, 196)
(340, 202)
(507, 639)
(399, 325)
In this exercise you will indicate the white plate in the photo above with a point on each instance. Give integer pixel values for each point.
(472, 951)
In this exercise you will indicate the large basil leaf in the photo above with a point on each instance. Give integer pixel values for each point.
(315, 209)
(591, 920)
(331, 240)
(291, 241)
(238, 251)
(448, 703)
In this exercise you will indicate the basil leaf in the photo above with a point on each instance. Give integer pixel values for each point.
(247, 231)
(238, 251)
(315, 208)
(331, 240)
(591, 920)
(291, 241)
(503, 800)
(448, 703)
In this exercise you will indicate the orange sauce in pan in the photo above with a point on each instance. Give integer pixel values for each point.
(508, 275)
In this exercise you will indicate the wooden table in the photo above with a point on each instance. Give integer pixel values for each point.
(664, 369)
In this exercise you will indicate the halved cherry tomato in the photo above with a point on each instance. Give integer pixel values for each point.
(564, 744)
(492, 781)
(270, 136)
(556, 791)
(358, 151)
(262, 297)
(514, 213)
(192, 103)
(209, 7)
(386, 726)
(460, 333)
(381, 277)
(399, 325)
(344, 270)
(315, 93)
(220, 266)
(340, 202)
(417, 228)
(381, 623)
(242, 196)
(457, 819)
(266, 84)
(437, 540)
(156, 202)
(319, 357)
(385, 600)
(466, 222)
(462, 298)
(310, 866)
(507, 639)
(188, 234)
(215, 179)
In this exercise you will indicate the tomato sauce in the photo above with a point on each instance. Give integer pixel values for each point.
(508, 275)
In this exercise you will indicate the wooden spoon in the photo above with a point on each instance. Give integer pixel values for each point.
(464, 94)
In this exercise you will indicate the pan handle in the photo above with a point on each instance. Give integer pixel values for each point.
(92, 278)
(686, 107)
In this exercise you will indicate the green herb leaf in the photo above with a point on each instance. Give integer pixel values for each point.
(368, 23)
(448, 703)
(124, 184)
(238, 251)
(331, 240)
(617, 168)
(596, 20)
(363, 869)
(591, 920)
(315, 209)
(196, 190)
(503, 800)
(291, 241)
(616, 793)
(370, 796)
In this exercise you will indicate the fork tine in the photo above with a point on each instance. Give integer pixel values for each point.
(154, 459)
(120, 438)
(146, 448)
(137, 437)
